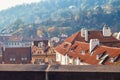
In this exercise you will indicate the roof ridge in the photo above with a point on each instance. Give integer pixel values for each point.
(109, 47)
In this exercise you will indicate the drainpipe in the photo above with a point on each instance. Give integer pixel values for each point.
(47, 70)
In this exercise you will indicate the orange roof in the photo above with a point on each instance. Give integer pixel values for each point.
(87, 57)
(63, 48)
(95, 34)
(77, 44)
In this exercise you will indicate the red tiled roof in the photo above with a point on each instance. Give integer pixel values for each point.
(87, 57)
(77, 44)
(95, 34)
(63, 48)
(72, 37)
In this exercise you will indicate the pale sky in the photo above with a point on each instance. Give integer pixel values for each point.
(4, 4)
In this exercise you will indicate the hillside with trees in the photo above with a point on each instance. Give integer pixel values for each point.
(54, 17)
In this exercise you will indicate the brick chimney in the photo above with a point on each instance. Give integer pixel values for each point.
(93, 44)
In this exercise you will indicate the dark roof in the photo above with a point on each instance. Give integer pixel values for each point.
(22, 67)
(83, 68)
(14, 49)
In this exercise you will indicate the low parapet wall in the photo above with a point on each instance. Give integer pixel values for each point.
(58, 72)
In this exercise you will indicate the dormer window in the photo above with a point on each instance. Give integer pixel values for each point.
(65, 46)
(104, 59)
(114, 59)
(92, 53)
(73, 48)
(99, 56)
(83, 52)
(105, 56)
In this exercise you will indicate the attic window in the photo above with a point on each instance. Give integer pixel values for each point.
(115, 59)
(83, 52)
(104, 60)
(106, 55)
(65, 45)
(99, 56)
(92, 53)
(72, 49)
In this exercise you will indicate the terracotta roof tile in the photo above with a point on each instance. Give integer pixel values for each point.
(95, 34)
(77, 45)
(63, 48)
(87, 57)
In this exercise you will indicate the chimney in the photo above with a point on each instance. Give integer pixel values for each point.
(118, 36)
(86, 35)
(93, 44)
(106, 31)
(83, 32)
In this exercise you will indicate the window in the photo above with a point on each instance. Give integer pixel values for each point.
(18, 43)
(39, 52)
(74, 61)
(24, 58)
(73, 48)
(104, 60)
(99, 56)
(8, 43)
(40, 44)
(12, 59)
(114, 59)
(83, 52)
(65, 45)
(92, 52)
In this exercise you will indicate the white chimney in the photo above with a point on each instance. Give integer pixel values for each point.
(106, 31)
(86, 35)
(93, 44)
(83, 32)
(118, 36)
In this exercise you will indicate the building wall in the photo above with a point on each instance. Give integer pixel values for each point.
(83, 76)
(66, 60)
(63, 59)
(0, 59)
(17, 55)
(58, 57)
(22, 75)
(35, 43)
(42, 75)
(37, 59)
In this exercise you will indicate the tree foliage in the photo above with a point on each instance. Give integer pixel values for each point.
(74, 14)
